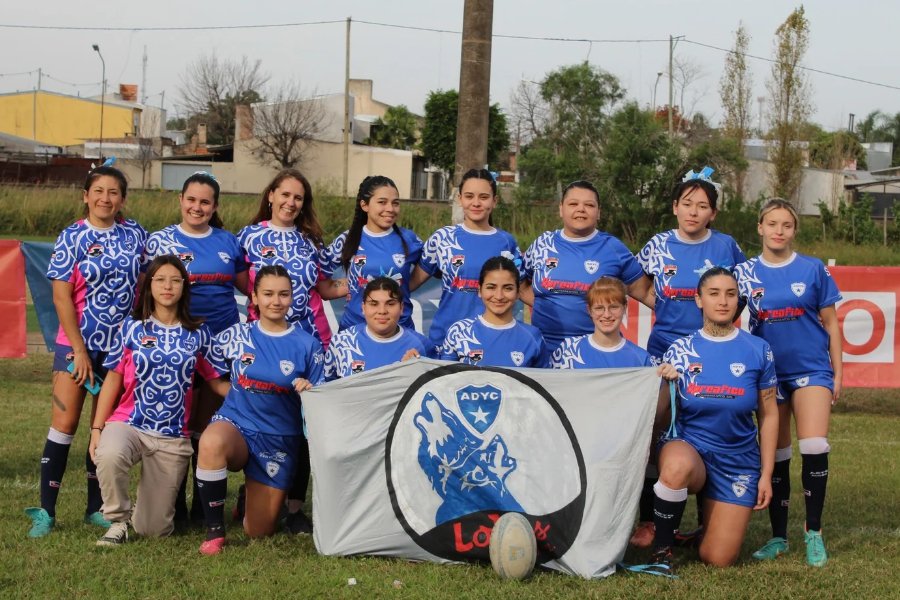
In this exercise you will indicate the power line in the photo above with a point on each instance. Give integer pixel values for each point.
(169, 27)
(48, 76)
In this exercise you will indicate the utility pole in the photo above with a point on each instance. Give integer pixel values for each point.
(671, 88)
(347, 109)
(144, 77)
(474, 92)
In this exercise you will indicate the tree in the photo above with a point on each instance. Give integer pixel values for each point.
(736, 93)
(439, 133)
(686, 72)
(789, 103)
(397, 129)
(284, 126)
(211, 89)
(836, 150)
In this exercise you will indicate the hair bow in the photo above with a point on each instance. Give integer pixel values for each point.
(705, 174)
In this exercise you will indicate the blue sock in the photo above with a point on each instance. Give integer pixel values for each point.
(53, 466)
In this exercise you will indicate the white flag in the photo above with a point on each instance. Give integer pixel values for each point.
(418, 459)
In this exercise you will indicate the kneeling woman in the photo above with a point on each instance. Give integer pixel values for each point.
(381, 340)
(725, 376)
(259, 427)
(495, 338)
(155, 355)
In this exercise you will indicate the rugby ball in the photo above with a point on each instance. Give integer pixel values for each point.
(513, 548)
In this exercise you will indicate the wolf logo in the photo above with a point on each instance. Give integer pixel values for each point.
(95, 250)
(695, 368)
(359, 261)
(475, 356)
(148, 341)
(669, 270)
(267, 252)
(357, 366)
(457, 260)
(551, 263)
(247, 359)
(186, 257)
(757, 293)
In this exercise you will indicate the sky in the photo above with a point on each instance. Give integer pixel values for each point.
(852, 39)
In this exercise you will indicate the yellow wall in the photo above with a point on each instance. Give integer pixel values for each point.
(62, 120)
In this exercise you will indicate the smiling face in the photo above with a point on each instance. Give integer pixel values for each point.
(286, 201)
(382, 313)
(382, 208)
(579, 211)
(499, 292)
(166, 286)
(104, 200)
(272, 297)
(198, 204)
(777, 228)
(718, 300)
(694, 212)
(607, 314)
(478, 201)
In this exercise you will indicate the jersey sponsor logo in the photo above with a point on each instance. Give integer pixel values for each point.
(556, 286)
(669, 270)
(551, 262)
(359, 261)
(798, 288)
(737, 369)
(455, 444)
(780, 314)
(262, 387)
(272, 468)
(802, 381)
(591, 266)
(247, 358)
(357, 366)
(517, 357)
(148, 341)
(457, 260)
(464, 285)
(757, 293)
(286, 366)
(186, 257)
(714, 390)
(399, 260)
(225, 258)
(679, 293)
(475, 356)
(695, 368)
(95, 250)
(318, 358)
(267, 252)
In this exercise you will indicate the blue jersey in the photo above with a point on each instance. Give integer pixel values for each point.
(102, 265)
(676, 264)
(264, 366)
(379, 254)
(458, 254)
(584, 353)
(718, 388)
(562, 269)
(477, 342)
(784, 302)
(265, 244)
(157, 363)
(354, 350)
(212, 260)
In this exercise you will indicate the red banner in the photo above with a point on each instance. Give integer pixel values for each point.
(12, 300)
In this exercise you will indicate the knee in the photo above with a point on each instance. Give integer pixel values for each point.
(717, 557)
(159, 529)
(676, 473)
(211, 446)
(258, 530)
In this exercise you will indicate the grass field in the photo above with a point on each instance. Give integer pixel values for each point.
(862, 529)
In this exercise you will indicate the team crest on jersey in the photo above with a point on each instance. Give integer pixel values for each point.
(757, 293)
(669, 270)
(475, 355)
(739, 488)
(591, 266)
(399, 260)
(148, 341)
(359, 261)
(798, 288)
(737, 369)
(95, 250)
(551, 262)
(247, 358)
(267, 252)
(186, 257)
(695, 368)
(286, 366)
(457, 260)
(802, 381)
(357, 366)
(272, 468)
(190, 344)
(225, 258)
(518, 358)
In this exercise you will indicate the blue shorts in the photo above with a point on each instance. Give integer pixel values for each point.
(64, 355)
(786, 387)
(731, 477)
(271, 459)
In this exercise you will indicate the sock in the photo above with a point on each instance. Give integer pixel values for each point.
(53, 466)
(815, 479)
(213, 486)
(301, 476)
(700, 497)
(668, 508)
(94, 498)
(781, 492)
(645, 507)
(196, 504)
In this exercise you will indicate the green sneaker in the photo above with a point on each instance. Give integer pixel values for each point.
(41, 522)
(815, 549)
(771, 549)
(96, 519)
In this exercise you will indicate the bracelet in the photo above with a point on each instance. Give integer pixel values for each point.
(97, 428)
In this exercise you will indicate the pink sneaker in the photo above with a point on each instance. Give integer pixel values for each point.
(643, 534)
(213, 546)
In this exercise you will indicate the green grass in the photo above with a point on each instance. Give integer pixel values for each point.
(862, 529)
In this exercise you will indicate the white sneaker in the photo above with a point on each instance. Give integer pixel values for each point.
(116, 535)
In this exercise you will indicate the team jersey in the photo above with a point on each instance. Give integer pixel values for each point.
(267, 244)
(263, 368)
(355, 349)
(212, 260)
(784, 302)
(102, 265)
(584, 353)
(458, 254)
(477, 342)
(157, 363)
(718, 388)
(562, 269)
(379, 254)
(676, 264)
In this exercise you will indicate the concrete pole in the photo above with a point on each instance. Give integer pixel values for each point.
(474, 93)
(347, 109)
(671, 87)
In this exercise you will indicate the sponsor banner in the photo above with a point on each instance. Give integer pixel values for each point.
(12, 300)
(418, 459)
